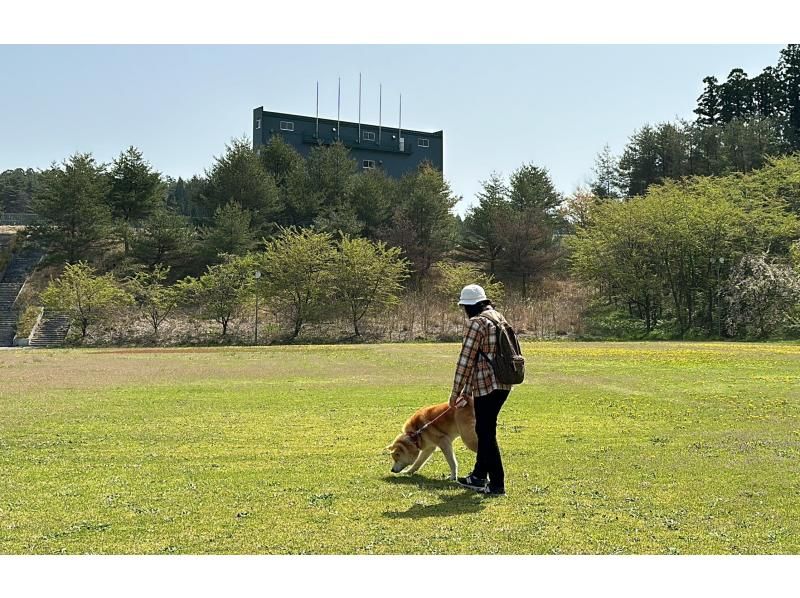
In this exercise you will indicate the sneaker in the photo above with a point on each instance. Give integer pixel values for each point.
(473, 483)
(489, 491)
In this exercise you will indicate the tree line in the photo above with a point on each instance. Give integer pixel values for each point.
(739, 124)
(703, 256)
(163, 245)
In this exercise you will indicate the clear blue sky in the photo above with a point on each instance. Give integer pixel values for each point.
(499, 106)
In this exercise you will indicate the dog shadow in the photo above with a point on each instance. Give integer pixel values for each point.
(461, 504)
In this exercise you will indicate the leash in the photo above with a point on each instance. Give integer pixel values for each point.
(414, 436)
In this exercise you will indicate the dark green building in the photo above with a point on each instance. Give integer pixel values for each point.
(396, 151)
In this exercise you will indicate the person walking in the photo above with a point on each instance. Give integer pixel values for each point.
(475, 377)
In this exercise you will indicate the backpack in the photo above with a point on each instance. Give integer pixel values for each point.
(509, 364)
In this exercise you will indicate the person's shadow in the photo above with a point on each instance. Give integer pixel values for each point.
(465, 502)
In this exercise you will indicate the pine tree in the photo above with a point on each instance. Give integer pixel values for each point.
(482, 225)
(708, 104)
(789, 76)
(608, 182)
(74, 219)
(736, 96)
(767, 94)
(135, 191)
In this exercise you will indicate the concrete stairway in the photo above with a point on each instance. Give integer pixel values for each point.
(18, 270)
(8, 317)
(21, 265)
(50, 331)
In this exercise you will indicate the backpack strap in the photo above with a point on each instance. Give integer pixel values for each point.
(496, 321)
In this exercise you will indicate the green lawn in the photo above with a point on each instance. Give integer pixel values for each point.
(609, 448)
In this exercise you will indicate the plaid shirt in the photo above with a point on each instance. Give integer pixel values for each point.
(474, 375)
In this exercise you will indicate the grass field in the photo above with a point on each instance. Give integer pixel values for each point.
(609, 448)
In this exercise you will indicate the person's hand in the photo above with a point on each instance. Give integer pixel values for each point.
(453, 400)
(459, 402)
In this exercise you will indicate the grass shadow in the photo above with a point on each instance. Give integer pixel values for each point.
(460, 504)
(421, 481)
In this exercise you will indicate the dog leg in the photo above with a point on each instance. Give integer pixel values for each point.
(423, 456)
(447, 449)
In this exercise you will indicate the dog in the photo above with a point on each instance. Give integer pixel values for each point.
(417, 442)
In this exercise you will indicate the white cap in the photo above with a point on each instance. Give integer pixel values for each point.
(472, 294)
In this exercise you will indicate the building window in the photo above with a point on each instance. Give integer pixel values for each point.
(368, 136)
(287, 125)
(423, 143)
(368, 164)
(258, 123)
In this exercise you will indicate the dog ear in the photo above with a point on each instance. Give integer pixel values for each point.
(388, 447)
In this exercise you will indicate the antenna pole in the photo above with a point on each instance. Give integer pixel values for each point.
(338, 109)
(400, 122)
(359, 107)
(380, 98)
(317, 133)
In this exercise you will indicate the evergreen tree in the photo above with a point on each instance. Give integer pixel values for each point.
(736, 96)
(767, 94)
(135, 190)
(74, 218)
(230, 234)
(639, 163)
(330, 174)
(480, 239)
(709, 103)
(608, 181)
(371, 196)
(789, 74)
(166, 238)
(239, 176)
(530, 187)
(422, 224)
(279, 159)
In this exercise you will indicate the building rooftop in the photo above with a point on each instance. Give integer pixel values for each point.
(348, 123)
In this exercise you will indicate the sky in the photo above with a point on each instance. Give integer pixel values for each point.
(555, 106)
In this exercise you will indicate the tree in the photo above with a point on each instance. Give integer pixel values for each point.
(84, 297)
(185, 197)
(164, 238)
(17, 187)
(298, 275)
(608, 182)
(789, 76)
(709, 102)
(736, 96)
(155, 300)
(530, 248)
(221, 292)
(74, 219)
(423, 225)
(280, 159)
(577, 209)
(230, 233)
(530, 187)
(767, 96)
(330, 172)
(666, 255)
(371, 195)
(761, 296)
(455, 276)
(135, 190)
(369, 276)
(639, 164)
(301, 202)
(480, 241)
(239, 177)
(746, 144)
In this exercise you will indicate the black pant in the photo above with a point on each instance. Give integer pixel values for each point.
(488, 462)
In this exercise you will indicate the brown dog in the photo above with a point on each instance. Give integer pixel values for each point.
(417, 442)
